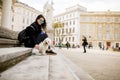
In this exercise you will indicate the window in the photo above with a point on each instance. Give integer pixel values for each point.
(66, 39)
(66, 30)
(107, 35)
(73, 30)
(116, 36)
(90, 19)
(107, 28)
(99, 36)
(73, 22)
(99, 19)
(70, 15)
(70, 30)
(116, 19)
(70, 23)
(59, 31)
(116, 28)
(69, 38)
(66, 16)
(63, 17)
(63, 31)
(13, 19)
(108, 19)
(66, 23)
(99, 27)
(73, 39)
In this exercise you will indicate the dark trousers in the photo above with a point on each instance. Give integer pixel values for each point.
(84, 49)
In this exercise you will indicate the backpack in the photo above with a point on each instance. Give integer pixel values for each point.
(23, 36)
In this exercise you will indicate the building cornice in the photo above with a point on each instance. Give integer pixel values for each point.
(20, 4)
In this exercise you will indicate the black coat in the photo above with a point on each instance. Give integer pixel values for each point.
(34, 35)
(84, 42)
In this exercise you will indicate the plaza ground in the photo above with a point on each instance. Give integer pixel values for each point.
(101, 65)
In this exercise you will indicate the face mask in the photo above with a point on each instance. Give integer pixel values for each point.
(41, 21)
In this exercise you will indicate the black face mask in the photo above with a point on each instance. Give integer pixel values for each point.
(42, 23)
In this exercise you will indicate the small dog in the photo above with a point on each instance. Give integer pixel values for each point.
(43, 46)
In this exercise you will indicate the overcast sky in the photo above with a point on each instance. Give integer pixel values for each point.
(91, 5)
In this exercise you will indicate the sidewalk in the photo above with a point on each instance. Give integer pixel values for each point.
(101, 65)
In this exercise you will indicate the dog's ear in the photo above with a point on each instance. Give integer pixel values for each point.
(46, 42)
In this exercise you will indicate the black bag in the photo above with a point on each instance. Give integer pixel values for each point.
(23, 36)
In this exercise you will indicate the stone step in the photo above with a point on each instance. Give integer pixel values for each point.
(33, 68)
(8, 43)
(48, 67)
(39, 68)
(8, 34)
(10, 56)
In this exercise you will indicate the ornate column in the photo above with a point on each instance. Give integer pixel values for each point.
(6, 13)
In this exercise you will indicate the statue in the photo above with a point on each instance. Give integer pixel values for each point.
(48, 13)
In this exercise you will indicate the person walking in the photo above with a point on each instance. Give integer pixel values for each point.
(60, 44)
(84, 44)
(68, 45)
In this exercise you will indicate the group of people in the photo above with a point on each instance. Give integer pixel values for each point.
(37, 34)
(84, 44)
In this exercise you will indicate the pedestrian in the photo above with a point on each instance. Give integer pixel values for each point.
(100, 45)
(37, 32)
(90, 45)
(68, 45)
(84, 44)
(60, 44)
(73, 46)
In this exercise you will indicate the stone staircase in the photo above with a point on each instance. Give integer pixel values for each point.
(11, 56)
(48, 67)
(8, 38)
(17, 63)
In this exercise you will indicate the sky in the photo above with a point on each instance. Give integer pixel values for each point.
(61, 5)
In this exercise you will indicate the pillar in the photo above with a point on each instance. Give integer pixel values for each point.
(6, 13)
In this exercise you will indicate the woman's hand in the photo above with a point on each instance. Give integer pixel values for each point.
(43, 30)
(37, 46)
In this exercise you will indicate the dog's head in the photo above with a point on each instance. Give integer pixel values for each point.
(47, 41)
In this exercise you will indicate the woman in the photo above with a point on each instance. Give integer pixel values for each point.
(36, 32)
(84, 44)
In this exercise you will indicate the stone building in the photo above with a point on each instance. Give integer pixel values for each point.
(20, 15)
(101, 28)
(70, 28)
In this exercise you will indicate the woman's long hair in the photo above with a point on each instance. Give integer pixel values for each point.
(44, 24)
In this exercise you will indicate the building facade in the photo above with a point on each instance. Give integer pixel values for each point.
(101, 28)
(70, 28)
(22, 16)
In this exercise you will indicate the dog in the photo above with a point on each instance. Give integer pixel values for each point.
(43, 46)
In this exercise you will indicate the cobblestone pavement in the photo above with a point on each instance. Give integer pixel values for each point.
(101, 65)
